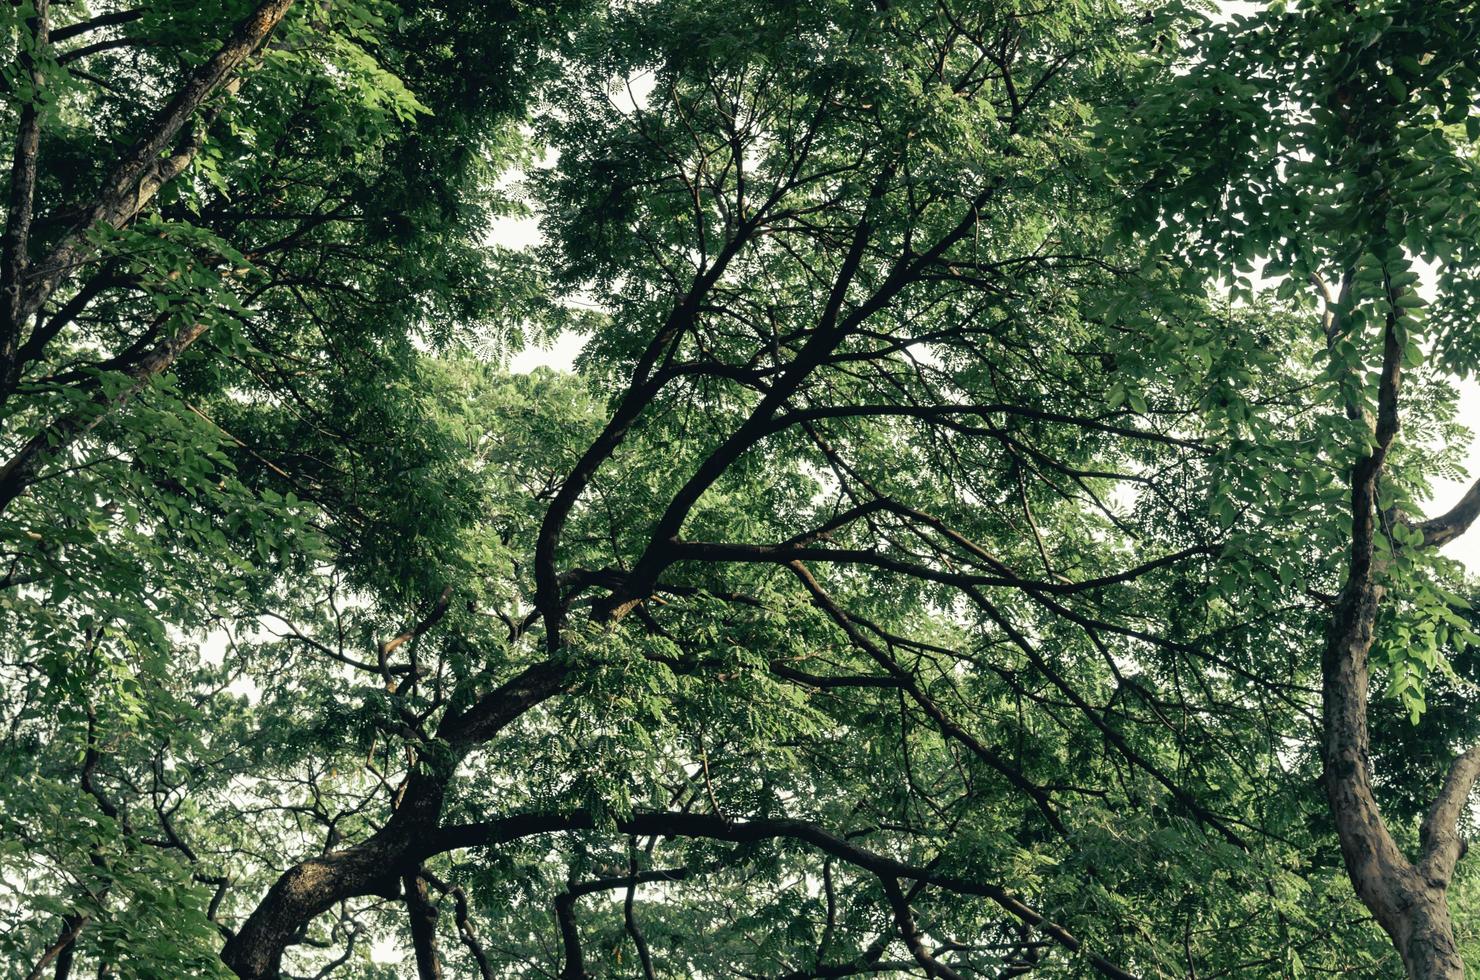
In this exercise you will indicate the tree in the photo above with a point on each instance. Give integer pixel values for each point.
(921, 574)
(211, 207)
(1360, 176)
(826, 241)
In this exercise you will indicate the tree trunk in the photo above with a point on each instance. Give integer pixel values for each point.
(1409, 902)
(311, 887)
(1431, 952)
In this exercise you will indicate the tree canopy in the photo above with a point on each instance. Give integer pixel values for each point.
(985, 533)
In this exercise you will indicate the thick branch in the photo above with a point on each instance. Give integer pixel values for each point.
(574, 967)
(146, 167)
(1409, 903)
(374, 866)
(1439, 836)
(1456, 521)
(102, 20)
(21, 203)
(494, 710)
(23, 468)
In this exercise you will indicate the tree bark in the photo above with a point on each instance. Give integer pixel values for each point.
(15, 243)
(423, 915)
(1411, 906)
(146, 167)
(1409, 900)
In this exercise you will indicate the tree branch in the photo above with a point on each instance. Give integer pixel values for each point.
(72, 927)
(21, 203)
(465, 931)
(423, 918)
(907, 682)
(904, 920)
(23, 468)
(87, 26)
(146, 167)
(1456, 521)
(713, 827)
(1439, 836)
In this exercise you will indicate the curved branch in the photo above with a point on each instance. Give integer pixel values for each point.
(647, 381)
(904, 920)
(460, 915)
(1454, 522)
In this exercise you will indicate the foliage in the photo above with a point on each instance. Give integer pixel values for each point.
(925, 570)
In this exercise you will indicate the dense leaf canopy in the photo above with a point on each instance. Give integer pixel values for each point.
(993, 474)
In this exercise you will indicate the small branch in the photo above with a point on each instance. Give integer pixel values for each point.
(87, 26)
(383, 652)
(905, 921)
(702, 825)
(947, 727)
(21, 470)
(629, 917)
(570, 937)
